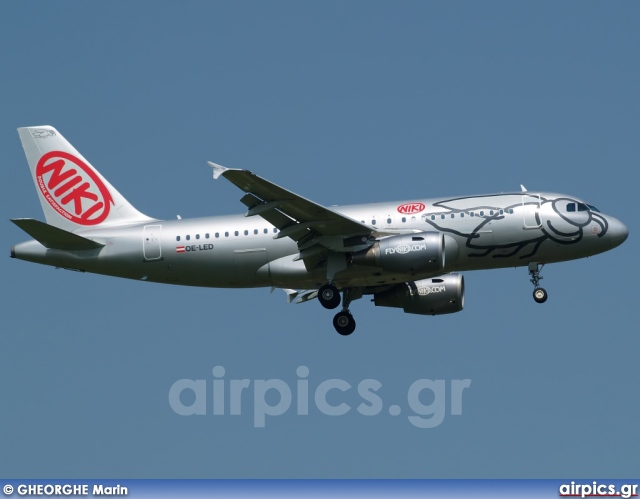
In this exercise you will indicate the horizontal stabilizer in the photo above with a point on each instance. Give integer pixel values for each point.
(54, 238)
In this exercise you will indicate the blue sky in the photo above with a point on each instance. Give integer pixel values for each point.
(341, 102)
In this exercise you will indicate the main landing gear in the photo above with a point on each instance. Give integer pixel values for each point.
(539, 294)
(329, 297)
(344, 323)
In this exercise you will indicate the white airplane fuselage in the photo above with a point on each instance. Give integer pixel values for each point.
(238, 251)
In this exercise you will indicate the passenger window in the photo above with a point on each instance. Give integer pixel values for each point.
(255, 231)
(217, 234)
(491, 213)
(246, 232)
(453, 215)
(206, 236)
(482, 213)
(501, 212)
(511, 211)
(275, 230)
(177, 238)
(461, 215)
(404, 219)
(442, 216)
(188, 238)
(236, 232)
(388, 220)
(226, 234)
(433, 217)
(472, 214)
(373, 222)
(197, 236)
(266, 231)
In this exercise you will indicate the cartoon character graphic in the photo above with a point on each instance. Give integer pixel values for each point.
(41, 133)
(562, 220)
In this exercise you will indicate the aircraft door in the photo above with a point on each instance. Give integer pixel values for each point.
(531, 211)
(151, 249)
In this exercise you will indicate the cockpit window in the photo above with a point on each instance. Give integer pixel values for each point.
(571, 207)
(593, 208)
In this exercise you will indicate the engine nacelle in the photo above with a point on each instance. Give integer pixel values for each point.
(408, 253)
(434, 296)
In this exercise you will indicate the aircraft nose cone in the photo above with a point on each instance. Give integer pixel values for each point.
(618, 231)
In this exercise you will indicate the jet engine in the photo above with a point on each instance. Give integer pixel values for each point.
(410, 253)
(433, 296)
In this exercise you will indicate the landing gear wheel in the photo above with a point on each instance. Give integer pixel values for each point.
(540, 295)
(328, 296)
(344, 323)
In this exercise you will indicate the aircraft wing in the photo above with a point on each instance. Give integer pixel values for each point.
(296, 217)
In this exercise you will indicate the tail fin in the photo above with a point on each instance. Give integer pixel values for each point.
(72, 193)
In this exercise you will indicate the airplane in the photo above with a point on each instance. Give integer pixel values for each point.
(406, 254)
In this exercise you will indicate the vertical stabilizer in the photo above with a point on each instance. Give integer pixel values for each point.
(72, 193)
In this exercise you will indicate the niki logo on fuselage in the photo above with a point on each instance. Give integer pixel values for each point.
(72, 188)
(411, 208)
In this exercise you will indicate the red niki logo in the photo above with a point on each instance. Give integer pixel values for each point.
(72, 188)
(411, 208)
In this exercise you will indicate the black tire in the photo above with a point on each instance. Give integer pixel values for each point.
(540, 295)
(329, 296)
(344, 323)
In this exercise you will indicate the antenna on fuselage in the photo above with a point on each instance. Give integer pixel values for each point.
(524, 189)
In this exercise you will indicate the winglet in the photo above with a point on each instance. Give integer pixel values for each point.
(524, 189)
(217, 169)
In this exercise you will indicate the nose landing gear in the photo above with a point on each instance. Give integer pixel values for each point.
(539, 294)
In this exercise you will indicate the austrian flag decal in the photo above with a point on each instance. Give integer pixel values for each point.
(72, 188)
(194, 247)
